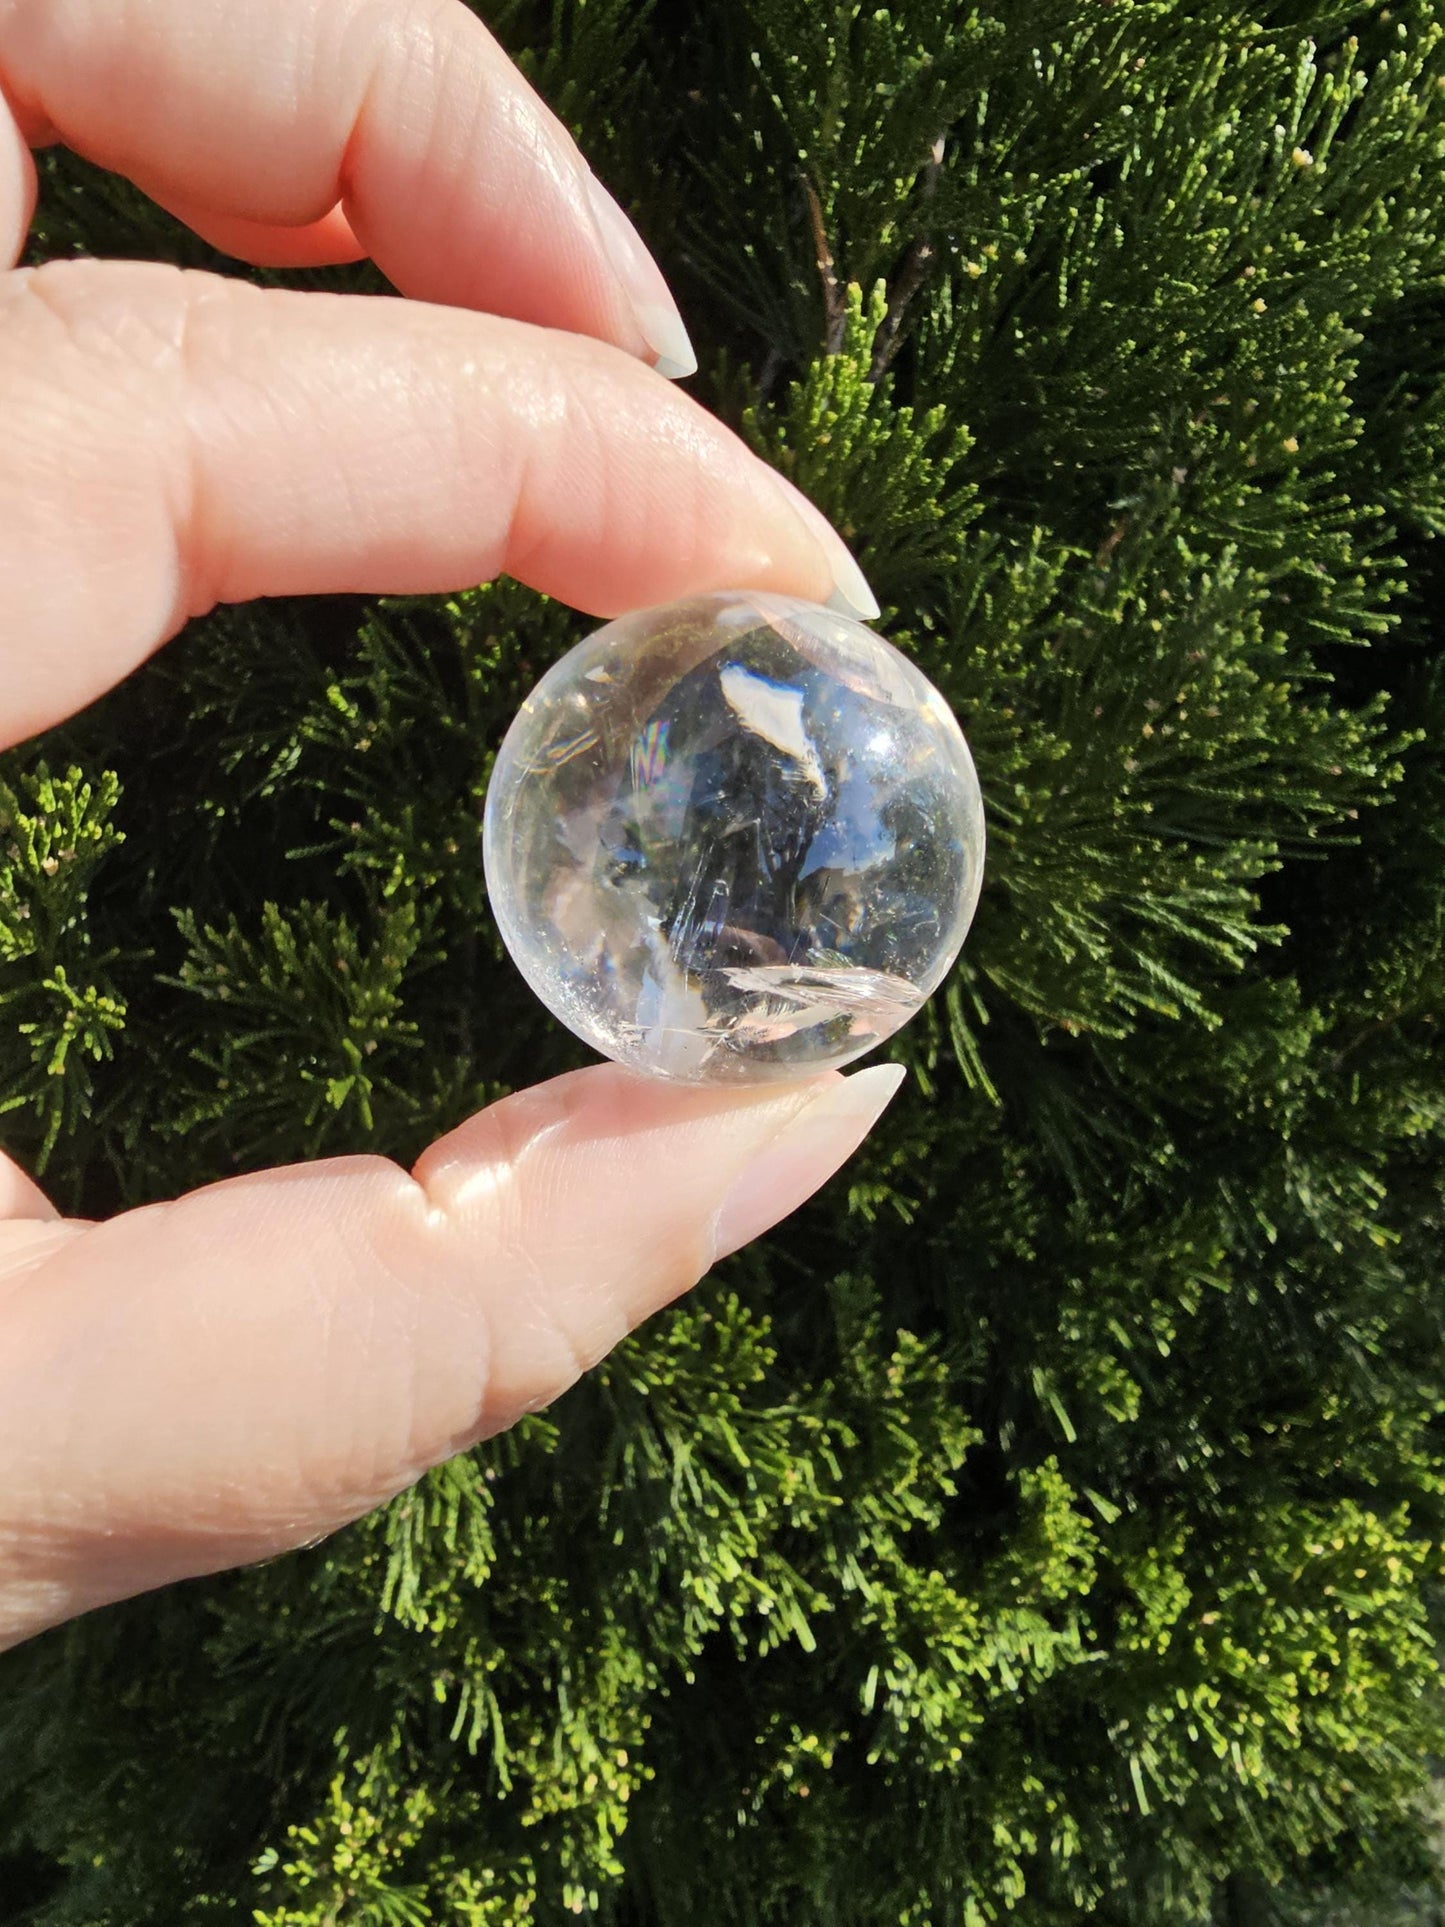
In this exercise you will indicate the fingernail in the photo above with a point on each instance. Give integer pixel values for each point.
(641, 278)
(851, 595)
(803, 1155)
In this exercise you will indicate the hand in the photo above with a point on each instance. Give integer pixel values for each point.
(209, 1381)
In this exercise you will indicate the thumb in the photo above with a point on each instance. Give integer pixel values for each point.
(198, 1384)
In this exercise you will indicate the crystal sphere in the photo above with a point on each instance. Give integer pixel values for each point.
(734, 839)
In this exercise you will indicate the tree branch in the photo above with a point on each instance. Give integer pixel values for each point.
(835, 306)
(916, 265)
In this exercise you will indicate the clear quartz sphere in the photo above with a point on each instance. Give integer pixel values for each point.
(734, 839)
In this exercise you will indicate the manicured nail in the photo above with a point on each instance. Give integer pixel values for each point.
(851, 595)
(803, 1155)
(648, 294)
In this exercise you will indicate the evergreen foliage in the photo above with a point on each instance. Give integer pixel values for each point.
(1048, 1523)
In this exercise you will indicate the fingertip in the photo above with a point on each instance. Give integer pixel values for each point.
(18, 188)
(658, 317)
(851, 594)
(603, 1122)
(665, 1178)
(602, 1197)
(800, 1157)
(20, 1196)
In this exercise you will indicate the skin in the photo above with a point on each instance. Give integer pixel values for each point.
(240, 1371)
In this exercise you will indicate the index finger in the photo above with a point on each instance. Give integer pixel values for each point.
(177, 440)
(401, 121)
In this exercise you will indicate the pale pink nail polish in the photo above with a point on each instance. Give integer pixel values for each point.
(851, 594)
(803, 1155)
(642, 281)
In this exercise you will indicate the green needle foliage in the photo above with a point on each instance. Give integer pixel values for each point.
(1049, 1523)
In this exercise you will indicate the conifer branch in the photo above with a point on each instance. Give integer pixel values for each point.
(1109, 1380)
(916, 266)
(835, 303)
